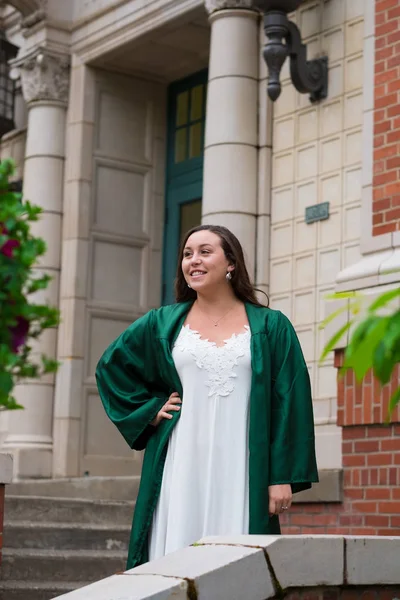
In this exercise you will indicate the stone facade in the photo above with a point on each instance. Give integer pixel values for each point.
(92, 150)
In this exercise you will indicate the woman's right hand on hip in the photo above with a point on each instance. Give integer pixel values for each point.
(172, 404)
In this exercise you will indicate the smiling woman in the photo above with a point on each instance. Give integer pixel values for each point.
(216, 389)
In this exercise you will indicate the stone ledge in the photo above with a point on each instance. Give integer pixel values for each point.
(6, 468)
(329, 488)
(254, 567)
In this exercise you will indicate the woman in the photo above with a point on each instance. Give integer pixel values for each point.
(216, 389)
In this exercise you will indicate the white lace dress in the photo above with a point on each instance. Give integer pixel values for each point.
(205, 487)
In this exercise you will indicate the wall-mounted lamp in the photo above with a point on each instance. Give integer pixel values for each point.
(284, 39)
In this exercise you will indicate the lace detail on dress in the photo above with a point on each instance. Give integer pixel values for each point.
(218, 361)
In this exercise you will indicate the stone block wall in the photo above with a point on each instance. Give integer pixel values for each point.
(358, 593)
(386, 181)
(371, 466)
(5, 477)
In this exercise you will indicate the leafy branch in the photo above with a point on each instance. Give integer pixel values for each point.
(21, 319)
(374, 343)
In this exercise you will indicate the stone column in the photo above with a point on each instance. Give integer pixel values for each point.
(231, 138)
(45, 84)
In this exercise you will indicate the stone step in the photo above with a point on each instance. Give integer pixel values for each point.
(67, 510)
(31, 590)
(53, 536)
(124, 489)
(60, 565)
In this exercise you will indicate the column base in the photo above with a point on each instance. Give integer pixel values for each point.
(31, 463)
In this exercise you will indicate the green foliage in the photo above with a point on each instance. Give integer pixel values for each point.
(22, 321)
(374, 342)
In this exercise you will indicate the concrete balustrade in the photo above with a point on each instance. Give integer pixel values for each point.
(258, 568)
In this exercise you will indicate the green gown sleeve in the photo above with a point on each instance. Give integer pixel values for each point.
(292, 426)
(128, 382)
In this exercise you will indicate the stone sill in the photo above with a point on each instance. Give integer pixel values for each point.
(373, 270)
(329, 488)
(6, 468)
(255, 567)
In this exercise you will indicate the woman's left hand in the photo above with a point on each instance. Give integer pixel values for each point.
(280, 498)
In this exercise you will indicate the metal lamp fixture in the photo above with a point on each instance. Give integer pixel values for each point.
(283, 40)
(7, 85)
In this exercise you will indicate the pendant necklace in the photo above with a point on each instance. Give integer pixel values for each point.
(218, 320)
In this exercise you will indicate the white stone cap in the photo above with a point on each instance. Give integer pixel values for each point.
(6, 468)
(254, 567)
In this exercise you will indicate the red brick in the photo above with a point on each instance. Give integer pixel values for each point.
(385, 152)
(367, 446)
(389, 507)
(379, 431)
(376, 220)
(393, 86)
(377, 520)
(393, 163)
(355, 494)
(384, 53)
(379, 459)
(365, 507)
(377, 493)
(351, 520)
(381, 230)
(347, 447)
(393, 62)
(395, 521)
(386, 28)
(362, 531)
(385, 100)
(392, 111)
(354, 433)
(394, 136)
(386, 177)
(300, 520)
(392, 38)
(382, 5)
(329, 519)
(385, 532)
(385, 77)
(393, 13)
(392, 444)
(354, 460)
(391, 215)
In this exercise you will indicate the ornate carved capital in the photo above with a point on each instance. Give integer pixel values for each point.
(44, 76)
(214, 5)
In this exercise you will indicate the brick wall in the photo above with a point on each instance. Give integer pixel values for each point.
(354, 593)
(386, 181)
(371, 466)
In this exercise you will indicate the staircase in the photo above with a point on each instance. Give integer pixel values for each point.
(53, 545)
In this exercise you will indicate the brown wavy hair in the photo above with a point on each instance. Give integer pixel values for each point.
(241, 284)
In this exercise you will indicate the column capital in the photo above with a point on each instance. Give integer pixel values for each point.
(44, 76)
(213, 6)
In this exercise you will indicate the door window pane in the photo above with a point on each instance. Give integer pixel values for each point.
(196, 104)
(180, 145)
(190, 216)
(196, 140)
(182, 109)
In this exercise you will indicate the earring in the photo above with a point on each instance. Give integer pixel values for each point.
(228, 276)
(189, 286)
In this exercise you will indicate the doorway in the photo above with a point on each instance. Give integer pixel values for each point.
(185, 153)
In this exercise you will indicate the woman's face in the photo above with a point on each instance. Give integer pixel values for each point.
(204, 264)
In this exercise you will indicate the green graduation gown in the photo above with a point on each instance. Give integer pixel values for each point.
(136, 374)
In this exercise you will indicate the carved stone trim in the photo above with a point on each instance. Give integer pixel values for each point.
(44, 76)
(214, 5)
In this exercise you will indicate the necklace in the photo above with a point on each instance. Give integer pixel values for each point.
(216, 322)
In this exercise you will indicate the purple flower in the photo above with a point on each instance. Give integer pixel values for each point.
(8, 248)
(19, 334)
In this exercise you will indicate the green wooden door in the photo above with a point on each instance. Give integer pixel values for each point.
(184, 188)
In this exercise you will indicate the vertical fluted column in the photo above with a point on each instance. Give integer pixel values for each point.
(45, 84)
(231, 139)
